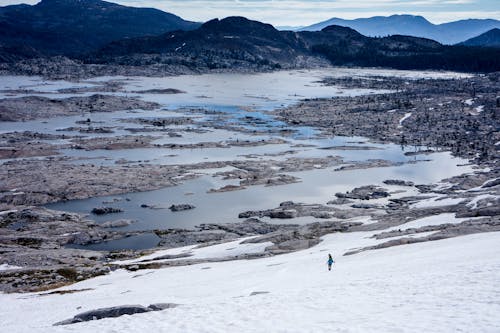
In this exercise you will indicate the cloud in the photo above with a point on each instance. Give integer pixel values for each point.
(295, 12)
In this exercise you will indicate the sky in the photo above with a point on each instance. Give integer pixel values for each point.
(301, 13)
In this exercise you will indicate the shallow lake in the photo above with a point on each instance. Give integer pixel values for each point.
(238, 105)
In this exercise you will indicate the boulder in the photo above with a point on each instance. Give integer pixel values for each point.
(283, 214)
(181, 207)
(322, 215)
(106, 210)
(398, 182)
(339, 201)
(114, 312)
(364, 193)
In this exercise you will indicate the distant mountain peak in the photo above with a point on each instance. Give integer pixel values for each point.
(340, 30)
(234, 22)
(490, 38)
(412, 25)
(416, 17)
(237, 25)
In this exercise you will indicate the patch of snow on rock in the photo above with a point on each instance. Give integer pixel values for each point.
(432, 221)
(438, 202)
(7, 267)
(406, 116)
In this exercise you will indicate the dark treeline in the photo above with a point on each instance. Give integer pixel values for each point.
(455, 58)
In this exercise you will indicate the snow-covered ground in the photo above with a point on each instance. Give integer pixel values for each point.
(437, 201)
(473, 204)
(229, 249)
(432, 221)
(442, 286)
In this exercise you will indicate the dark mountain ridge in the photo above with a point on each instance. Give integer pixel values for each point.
(488, 39)
(237, 40)
(230, 40)
(71, 27)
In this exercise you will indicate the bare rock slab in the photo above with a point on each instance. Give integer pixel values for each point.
(114, 312)
(181, 207)
(106, 210)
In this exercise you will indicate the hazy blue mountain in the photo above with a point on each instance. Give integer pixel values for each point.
(488, 39)
(289, 28)
(417, 26)
(75, 26)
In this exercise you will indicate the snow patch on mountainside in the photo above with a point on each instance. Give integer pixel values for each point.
(406, 116)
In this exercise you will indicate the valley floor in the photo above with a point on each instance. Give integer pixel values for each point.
(381, 173)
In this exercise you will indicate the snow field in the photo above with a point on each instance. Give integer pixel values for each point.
(233, 248)
(438, 201)
(432, 221)
(440, 286)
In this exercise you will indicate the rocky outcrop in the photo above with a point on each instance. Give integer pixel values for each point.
(398, 182)
(483, 211)
(35, 239)
(87, 180)
(443, 231)
(290, 210)
(181, 207)
(466, 133)
(339, 201)
(114, 312)
(106, 210)
(300, 237)
(216, 233)
(364, 193)
(35, 107)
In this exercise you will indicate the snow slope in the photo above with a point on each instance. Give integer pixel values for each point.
(439, 286)
(432, 221)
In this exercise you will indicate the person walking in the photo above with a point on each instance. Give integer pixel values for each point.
(330, 262)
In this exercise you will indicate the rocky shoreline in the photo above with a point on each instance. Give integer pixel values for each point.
(460, 115)
(63, 68)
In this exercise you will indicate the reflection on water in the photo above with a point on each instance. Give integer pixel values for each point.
(317, 186)
(139, 242)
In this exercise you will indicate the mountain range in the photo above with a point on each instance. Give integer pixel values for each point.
(417, 26)
(71, 27)
(95, 31)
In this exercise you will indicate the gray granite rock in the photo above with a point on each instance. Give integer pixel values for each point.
(106, 210)
(181, 207)
(398, 182)
(114, 312)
